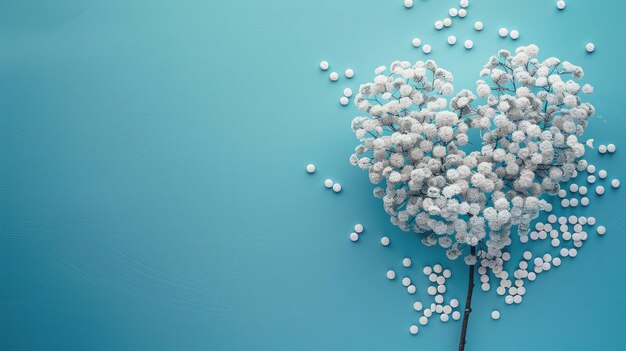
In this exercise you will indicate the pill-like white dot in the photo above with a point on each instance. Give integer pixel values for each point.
(438, 25)
(432, 277)
(439, 299)
(517, 299)
(495, 314)
(310, 168)
(556, 262)
(406, 262)
(437, 268)
(590, 47)
(464, 3)
(615, 183)
(324, 65)
(573, 202)
(444, 317)
(552, 218)
(591, 179)
(456, 315)
(602, 174)
(452, 40)
(565, 203)
(428, 312)
(391, 274)
(413, 329)
(354, 236)
(582, 190)
(411, 289)
(591, 220)
(349, 73)
(602, 149)
(485, 286)
(417, 306)
(453, 12)
(423, 320)
(432, 291)
(468, 44)
(462, 13)
(573, 252)
(610, 148)
(416, 42)
(344, 101)
(408, 3)
(427, 270)
(514, 34)
(560, 4)
(599, 190)
(441, 280)
(358, 228)
(591, 169)
(447, 22)
(601, 230)
(584, 201)
(447, 273)
(328, 183)
(406, 281)
(427, 48)
(503, 32)
(573, 187)
(333, 76)
(547, 257)
(454, 303)
(347, 92)
(561, 193)
(447, 309)
(384, 241)
(555, 242)
(478, 25)
(336, 187)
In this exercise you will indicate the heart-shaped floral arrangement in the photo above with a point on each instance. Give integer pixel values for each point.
(456, 194)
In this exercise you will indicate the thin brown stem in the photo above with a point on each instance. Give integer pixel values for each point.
(468, 303)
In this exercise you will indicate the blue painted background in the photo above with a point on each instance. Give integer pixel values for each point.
(153, 193)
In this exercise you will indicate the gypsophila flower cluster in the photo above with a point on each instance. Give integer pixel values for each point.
(411, 143)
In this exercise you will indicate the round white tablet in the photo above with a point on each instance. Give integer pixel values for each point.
(591, 220)
(411, 289)
(416, 42)
(344, 101)
(454, 303)
(431, 290)
(447, 22)
(464, 3)
(573, 252)
(384, 241)
(453, 12)
(413, 329)
(527, 255)
(552, 218)
(599, 190)
(514, 34)
(406, 281)
(573, 187)
(602, 174)
(441, 280)
(438, 25)
(456, 315)
(354, 236)
(417, 306)
(452, 40)
(602, 149)
(427, 48)
(333, 76)
(560, 4)
(591, 169)
(447, 309)
(462, 13)
(582, 190)
(324, 65)
(310, 168)
(406, 262)
(423, 320)
(349, 73)
(447, 273)
(336, 187)
(564, 252)
(408, 3)
(437, 268)
(517, 299)
(503, 32)
(556, 262)
(590, 47)
(591, 179)
(428, 313)
(478, 25)
(358, 228)
(495, 314)
(561, 193)
(328, 183)
(439, 299)
(615, 183)
(444, 317)
(610, 148)
(347, 92)
(427, 270)
(485, 286)
(584, 201)
(565, 203)
(601, 230)
(468, 44)
(432, 277)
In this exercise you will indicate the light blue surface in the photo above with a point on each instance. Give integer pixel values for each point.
(153, 193)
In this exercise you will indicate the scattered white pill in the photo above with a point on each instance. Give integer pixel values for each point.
(601, 230)
(462, 13)
(560, 4)
(464, 3)
(591, 179)
(469, 44)
(336, 187)
(573, 252)
(610, 148)
(417, 306)
(527, 255)
(444, 317)
(347, 92)
(384, 241)
(439, 299)
(438, 25)
(447, 273)
(503, 32)
(423, 320)
(556, 262)
(454, 303)
(437, 268)
(406, 262)
(485, 286)
(591, 220)
(573, 188)
(599, 190)
(517, 299)
(324, 65)
(411, 289)
(358, 228)
(590, 47)
(406, 281)
(408, 3)
(552, 218)
(432, 277)
(349, 73)
(555, 242)
(582, 190)
(495, 314)
(427, 48)
(333, 76)
(478, 25)
(427, 270)
(565, 203)
(561, 193)
(441, 280)
(514, 34)
(344, 101)
(428, 313)
(591, 169)
(432, 291)
(354, 236)
(584, 201)
(453, 12)
(456, 315)
(452, 40)
(615, 183)
(413, 329)
(447, 22)
(310, 168)
(328, 183)
(416, 42)
(602, 149)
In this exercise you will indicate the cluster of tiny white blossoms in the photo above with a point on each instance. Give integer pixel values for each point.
(411, 142)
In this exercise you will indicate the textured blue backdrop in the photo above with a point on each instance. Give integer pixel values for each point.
(153, 193)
